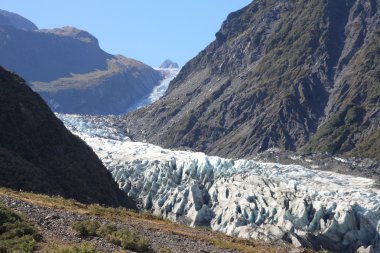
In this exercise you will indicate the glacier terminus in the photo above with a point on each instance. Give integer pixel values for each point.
(244, 198)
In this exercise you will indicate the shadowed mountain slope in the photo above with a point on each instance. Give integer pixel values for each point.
(37, 153)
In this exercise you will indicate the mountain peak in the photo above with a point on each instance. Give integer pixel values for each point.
(169, 64)
(72, 32)
(12, 19)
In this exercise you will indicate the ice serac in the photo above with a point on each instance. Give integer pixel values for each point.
(244, 198)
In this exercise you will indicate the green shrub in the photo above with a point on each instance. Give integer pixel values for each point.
(84, 248)
(129, 240)
(85, 228)
(106, 229)
(16, 235)
(165, 250)
(123, 238)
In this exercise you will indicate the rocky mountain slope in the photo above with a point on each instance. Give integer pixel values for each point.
(37, 152)
(295, 75)
(70, 70)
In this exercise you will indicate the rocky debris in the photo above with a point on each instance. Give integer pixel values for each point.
(54, 224)
(359, 167)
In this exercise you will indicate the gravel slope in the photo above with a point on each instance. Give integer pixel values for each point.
(54, 225)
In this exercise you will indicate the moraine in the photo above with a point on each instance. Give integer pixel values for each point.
(244, 198)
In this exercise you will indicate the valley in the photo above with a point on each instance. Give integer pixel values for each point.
(267, 140)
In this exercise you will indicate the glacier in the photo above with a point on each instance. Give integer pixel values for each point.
(244, 198)
(169, 74)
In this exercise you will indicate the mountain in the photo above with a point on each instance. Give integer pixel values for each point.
(294, 75)
(70, 70)
(37, 152)
(169, 64)
(12, 19)
(110, 91)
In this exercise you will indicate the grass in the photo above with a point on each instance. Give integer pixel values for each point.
(106, 230)
(84, 248)
(86, 228)
(16, 234)
(165, 250)
(142, 219)
(129, 240)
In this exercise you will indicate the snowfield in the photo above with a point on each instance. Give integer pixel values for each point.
(244, 198)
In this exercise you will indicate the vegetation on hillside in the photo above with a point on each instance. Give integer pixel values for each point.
(124, 238)
(293, 75)
(16, 234)
(83, 248)
(359, 110)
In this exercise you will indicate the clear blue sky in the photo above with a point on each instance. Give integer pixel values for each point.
(147, 30)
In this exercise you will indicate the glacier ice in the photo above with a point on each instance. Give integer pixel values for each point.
(244, 198)
(159, 90)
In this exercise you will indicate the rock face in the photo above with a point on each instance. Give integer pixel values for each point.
(245, 198)
(37, 153)
(72, 73)
(169, 64)
(293, 75)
